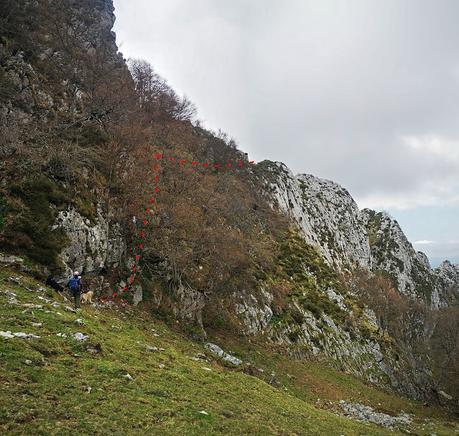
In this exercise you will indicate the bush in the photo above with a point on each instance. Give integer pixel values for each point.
(313, 308)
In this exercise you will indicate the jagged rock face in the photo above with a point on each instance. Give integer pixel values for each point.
(308, 335)
(346, 237)
(325, 212)
(255, 313)
(448, 273)
(448, 280)
(53, 72)
(93, 246)
(393, 253)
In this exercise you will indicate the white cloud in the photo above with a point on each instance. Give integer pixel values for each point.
(426, 174)
(423, 242)
(441, 250)
(435, 145)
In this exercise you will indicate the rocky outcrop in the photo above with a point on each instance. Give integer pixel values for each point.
(254, 311)
(392, 253)
(355, 347)
(447, 276)
(93, 246)
(330, 220)
(324, 211)
(53, 61)
(365, 413)
(215, 349)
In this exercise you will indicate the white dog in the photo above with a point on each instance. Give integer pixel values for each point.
(86, 297)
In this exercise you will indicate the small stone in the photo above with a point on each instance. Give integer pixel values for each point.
(151, 349)
(37, 324)
(215, 349)
(28, 362)
(162, 366)
(205, 368)
(445, 395)
(128, 377)
(203, 412)
(46, 300)
(32, 306)
(22, 335)
(79, 321)
(80, 336)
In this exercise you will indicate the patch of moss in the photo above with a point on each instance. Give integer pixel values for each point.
(301, 263)
(31, 232)
(85, 207)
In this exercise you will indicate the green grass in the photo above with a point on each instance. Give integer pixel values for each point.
(50, 394)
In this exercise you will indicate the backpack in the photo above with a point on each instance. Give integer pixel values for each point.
(74, 284)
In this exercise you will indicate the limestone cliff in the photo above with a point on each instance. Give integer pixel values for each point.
(347, 238)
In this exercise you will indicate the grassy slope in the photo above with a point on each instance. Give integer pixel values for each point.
(50, 394)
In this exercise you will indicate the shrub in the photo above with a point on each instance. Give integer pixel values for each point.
(313, 308)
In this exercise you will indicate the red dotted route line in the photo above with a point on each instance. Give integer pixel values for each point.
(136, 270)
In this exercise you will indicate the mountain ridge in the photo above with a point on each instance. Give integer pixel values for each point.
(347, 236)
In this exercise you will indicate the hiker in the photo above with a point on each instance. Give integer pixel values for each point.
(76, 287)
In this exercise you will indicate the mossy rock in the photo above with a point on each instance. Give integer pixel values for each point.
(30, 231)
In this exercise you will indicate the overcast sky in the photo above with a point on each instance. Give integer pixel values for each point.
(362, 92)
